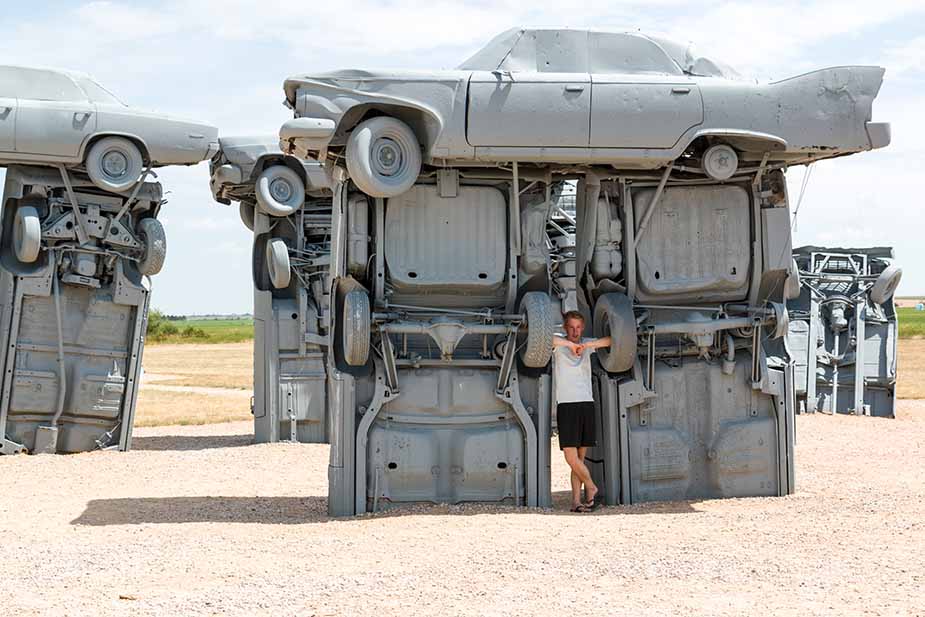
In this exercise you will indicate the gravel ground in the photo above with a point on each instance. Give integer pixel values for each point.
(195, 521)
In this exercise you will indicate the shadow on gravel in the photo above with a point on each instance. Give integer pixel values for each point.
(191, 442)
(172, 510)
(313, 509)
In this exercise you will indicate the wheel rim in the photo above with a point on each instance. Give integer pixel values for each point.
(281, 190)
(115, 164)
(387, 158)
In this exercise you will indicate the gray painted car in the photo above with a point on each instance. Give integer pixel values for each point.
(287, 204)
(445, 262)
(55, 117)
(576, 97)
(843, 330)
(75, 267)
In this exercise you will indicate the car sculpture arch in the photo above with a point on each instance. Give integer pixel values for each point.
(682, 251)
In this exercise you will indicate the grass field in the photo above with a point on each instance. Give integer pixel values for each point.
(195, 384)
(202, 331)
(911, 322)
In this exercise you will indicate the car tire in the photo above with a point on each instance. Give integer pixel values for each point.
(27, 234)
(886, 284)
(247, 215)
(152, 236)
(383, 157)
(541, 327)
(280, 191)
(355, 327)
(114, 164)
(613, 317)
(278, 266)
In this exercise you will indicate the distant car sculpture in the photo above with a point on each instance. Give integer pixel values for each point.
(444, 279)
(843, 329)
(576, 97)
(53, 117)
(291, 198)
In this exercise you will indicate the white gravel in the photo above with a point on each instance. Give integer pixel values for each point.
(195, 521)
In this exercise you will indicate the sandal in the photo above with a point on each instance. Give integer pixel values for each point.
(580, 508)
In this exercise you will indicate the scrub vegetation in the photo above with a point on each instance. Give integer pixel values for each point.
(911, 323)
(167, 329)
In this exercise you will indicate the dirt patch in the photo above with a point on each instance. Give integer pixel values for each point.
(195, 521)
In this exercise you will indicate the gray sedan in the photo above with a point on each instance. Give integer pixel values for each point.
(581, 97)
(52, 117)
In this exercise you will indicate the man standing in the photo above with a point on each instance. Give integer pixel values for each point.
(575, 404)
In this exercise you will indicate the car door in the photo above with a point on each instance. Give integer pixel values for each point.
(54, 116)
(529, 109)
(639, 97)
(7, 123)
(8, 88)
(539, 96)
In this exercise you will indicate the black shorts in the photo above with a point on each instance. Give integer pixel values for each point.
(576, 424)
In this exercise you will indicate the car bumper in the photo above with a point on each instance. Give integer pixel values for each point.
(304, 134)
(879, 134)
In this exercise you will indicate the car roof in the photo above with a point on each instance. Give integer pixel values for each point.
(682, 55)
(72, 74)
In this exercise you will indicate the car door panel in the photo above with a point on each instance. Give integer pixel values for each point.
(54, 128)
(529, 109)
(637, 111)
(7, 124)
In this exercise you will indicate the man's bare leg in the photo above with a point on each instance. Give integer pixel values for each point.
(579, 469)
(576, 490)
(589, 493)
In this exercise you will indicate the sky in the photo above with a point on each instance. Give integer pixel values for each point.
(224, 61)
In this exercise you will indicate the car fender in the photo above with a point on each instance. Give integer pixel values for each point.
(742, 139)
(88, 142)
(348, 106)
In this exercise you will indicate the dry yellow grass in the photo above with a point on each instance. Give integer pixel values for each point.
(159, 408)
(909, 383)
(224, 365)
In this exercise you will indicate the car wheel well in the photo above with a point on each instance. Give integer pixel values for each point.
(276, 159)
(141, 145)
(421, 122)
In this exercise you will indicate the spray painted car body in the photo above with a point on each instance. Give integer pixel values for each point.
(290, 323)
(441, 334)
(74, 290)
(576, 96)
(50, 116)
(843, 330)
(681, 254)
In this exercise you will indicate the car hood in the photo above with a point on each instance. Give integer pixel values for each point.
(353, 79)
(209, 131)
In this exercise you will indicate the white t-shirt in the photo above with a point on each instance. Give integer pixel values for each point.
(572, 374)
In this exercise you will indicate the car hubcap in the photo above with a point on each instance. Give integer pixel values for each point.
(281, 190)
(115, 164)
(387, 158)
